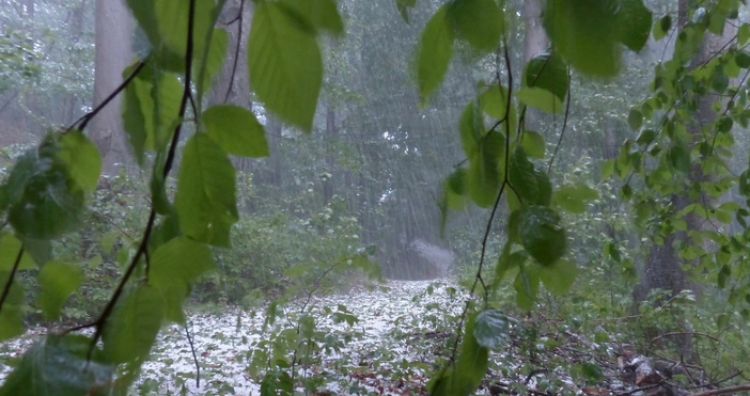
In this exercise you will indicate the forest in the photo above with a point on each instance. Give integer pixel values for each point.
(374, 197)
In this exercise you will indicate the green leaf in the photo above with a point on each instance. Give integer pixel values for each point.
(455, 189)
(480, 22)
(484, 153)
(559, 277)
(586, 33)
(724, 275)
(175, 264)
(661, 29)
(534, 145)
(719, 80)
(592, 372)
(58, 366)
(236, 130)
(209, 61)
(151, 108)
(57, 281)
(532, 185)
(285, 64)
(81, 159)
(573, 198)
(471, 364)
(205, 198)
(541, 234)
(45, 200)
(635, 119)
(634, 23)
(742, 58)
(434, 53)
(132, 330)
(646, 137)
(547, 70)
(608, 168)
(180, 260)
(722, 321)
(526, 285)
(494, 103)
(491, 329)
(403, 8)
(540, 99)
(135, 120)
(743, 34)
(159, 198)
(11, 316)
(317, 14)
(679, 157)
(172, 23)
(725, 124)
(471, 128)
(9, 248)
(483, 177)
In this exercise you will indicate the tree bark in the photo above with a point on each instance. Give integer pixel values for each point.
(114, 30)
(535, 40)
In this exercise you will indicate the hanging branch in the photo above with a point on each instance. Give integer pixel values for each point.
(195, 357)
(101, 321)
(478, 276)
(236, 50)
(562, 132)
(84, 120)
(11, 277)
(723, 391)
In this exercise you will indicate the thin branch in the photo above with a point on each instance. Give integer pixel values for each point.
(9, 101)
(723, 391)
(84, 120)
(108, 309)
(236, 51)
(643, 388)
(653, 340)
(562, 132)
(195, 357)
(478, 276)
(738, 373)
(11, 277)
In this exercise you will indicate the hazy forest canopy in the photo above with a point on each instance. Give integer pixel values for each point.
(318, 197)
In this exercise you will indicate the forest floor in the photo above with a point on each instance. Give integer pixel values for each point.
(388, 350)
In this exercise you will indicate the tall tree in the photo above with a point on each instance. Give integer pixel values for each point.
(664, 268)
(114, 30)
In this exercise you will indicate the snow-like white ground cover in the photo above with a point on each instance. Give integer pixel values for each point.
(381, 353)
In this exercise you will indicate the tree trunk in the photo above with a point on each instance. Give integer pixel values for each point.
(114, 31)
(535, 40)
(663, 266)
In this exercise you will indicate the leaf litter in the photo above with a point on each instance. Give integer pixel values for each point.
(388, 341)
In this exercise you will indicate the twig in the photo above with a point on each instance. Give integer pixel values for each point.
(714, 383)
(562, 132)
(195, 357)
(653, 340)
(478, 276)
(102, 319)
(723, 391)
(11, 277)
(236, 51)
(643, 388)
(84, 120)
